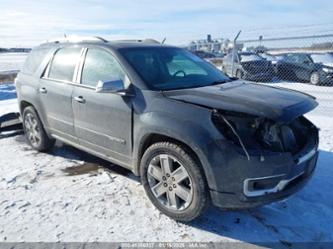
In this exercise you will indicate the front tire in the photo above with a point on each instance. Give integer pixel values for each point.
(173, 181)
(239, 74)
(34, 130)
(223, 69)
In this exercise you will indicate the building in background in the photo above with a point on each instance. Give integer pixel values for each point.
(210, 45)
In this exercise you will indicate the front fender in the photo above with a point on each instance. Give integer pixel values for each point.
(196, 135)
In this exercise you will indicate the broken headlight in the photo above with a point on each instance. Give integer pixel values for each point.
(257, 134)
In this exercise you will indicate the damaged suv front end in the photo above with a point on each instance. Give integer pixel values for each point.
(267, 150)
(273, 159)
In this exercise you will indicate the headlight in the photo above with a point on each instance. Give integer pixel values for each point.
(239, 128)
(328, 70)
(256, 134)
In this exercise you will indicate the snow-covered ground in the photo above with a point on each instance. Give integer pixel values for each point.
(68, 195)
(12, 61)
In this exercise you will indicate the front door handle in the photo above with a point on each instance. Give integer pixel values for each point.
(79, 99)
(42, 90)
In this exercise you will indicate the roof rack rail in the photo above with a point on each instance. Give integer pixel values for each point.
(152, 41)
(77, 39)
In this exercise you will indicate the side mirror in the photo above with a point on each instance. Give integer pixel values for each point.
(112, 86)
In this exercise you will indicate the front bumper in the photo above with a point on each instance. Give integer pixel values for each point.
(291, 184)
(241, 183)
(326, 78)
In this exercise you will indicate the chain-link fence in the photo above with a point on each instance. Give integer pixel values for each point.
(307, 59)
(303, 63)
(304, 59)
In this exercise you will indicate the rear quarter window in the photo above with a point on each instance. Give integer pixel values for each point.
(34, 60)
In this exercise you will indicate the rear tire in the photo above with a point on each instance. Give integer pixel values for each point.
(181, 192)
(34, 130)
(315, 78)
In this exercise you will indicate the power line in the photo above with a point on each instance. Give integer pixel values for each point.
(290, 38)
(289, 27)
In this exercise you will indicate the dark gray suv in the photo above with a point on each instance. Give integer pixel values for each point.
(193, 135)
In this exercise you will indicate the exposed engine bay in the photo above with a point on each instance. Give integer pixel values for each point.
(258, 134)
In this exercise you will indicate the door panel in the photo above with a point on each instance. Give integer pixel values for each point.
(57, 105)
(56, 88)
(102, 121)
(300, 68)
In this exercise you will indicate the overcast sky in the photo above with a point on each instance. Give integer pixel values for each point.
(27, 23)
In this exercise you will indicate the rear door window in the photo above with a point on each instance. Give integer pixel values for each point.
(64, 63)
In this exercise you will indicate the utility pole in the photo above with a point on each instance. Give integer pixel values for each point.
(260, 40)
(233, 53)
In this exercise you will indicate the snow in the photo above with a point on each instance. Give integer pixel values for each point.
(12, 61)
(68, 195)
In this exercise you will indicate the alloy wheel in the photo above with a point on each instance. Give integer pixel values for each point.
(314, 78)
(239, 74)
(170, 183)
(32, 129)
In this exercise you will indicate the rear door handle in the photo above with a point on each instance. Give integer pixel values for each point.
(79, 99)
(42, 90)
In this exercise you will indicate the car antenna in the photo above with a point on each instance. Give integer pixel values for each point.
(163, 40)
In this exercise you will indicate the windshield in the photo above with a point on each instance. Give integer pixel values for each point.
(322, 58)
(165, 68)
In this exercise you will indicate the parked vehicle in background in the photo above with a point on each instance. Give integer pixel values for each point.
(269, 57)
(217, 62)
(325, 59)
(248, 66)
(301, 67)
(215, 58)
(218, 54)
(203, 54)
(192, 134)
(272, 58)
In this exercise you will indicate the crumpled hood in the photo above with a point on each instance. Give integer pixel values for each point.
(277, 104)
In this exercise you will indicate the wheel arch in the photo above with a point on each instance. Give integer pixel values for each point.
(152, 138)
(24, 104)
